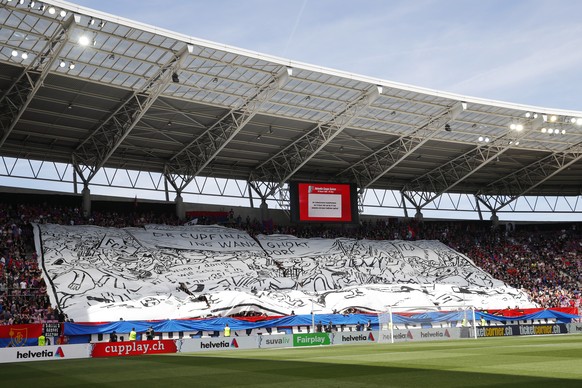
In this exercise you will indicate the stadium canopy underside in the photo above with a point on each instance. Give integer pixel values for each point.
(90, 99)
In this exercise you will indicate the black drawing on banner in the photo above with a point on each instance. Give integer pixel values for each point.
(108, 268)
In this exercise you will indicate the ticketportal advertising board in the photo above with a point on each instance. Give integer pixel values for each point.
(216, 343)
(312, 339)
(133, 348)
(45, 353)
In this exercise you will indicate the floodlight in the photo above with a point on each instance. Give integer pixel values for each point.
(84, 40)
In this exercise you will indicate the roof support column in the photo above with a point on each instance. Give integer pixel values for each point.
(179, 183)
(180, 211)
(265, 215)
(494, 220)
(404, 207)
(493, 203)
(478, 208)
(263, 194)
(251, 204)
(418, 216)
(85, 192)
(86, 201)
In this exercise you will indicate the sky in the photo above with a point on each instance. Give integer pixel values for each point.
(518, 51)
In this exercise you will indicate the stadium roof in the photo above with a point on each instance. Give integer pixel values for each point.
(95, 91)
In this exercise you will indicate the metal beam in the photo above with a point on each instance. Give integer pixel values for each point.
(444, 178)
(282, 166)
(191, 160)
(20, 94)
(379, 163)
(92, 154)
(522, 181)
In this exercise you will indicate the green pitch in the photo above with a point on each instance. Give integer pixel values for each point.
(545, 361)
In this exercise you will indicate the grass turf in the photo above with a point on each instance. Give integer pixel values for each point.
(548, 361)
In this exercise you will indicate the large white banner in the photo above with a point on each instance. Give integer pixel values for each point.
(172, 272)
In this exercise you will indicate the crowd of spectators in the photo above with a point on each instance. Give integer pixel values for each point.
(23, 290)
(542, 260)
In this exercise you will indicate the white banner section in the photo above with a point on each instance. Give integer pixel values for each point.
(172, 272)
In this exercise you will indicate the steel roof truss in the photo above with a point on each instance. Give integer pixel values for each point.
(379, 163)
(287, 162)
(92, 154)
(191, 160)
(447, 176)
(20, 94)
(528, 178)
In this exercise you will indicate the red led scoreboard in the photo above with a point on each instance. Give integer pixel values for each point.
(323, 202)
